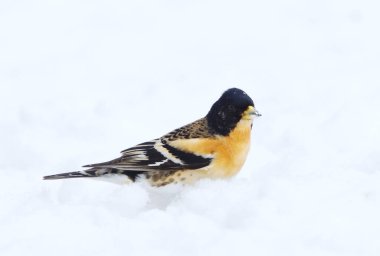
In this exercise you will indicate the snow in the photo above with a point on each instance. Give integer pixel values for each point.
(82, 80)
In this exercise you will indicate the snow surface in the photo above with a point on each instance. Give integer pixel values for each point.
(82, 80)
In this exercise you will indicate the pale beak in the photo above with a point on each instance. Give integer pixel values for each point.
(253, 111)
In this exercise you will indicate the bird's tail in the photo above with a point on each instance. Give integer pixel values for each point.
(95, 172)
(81, 174)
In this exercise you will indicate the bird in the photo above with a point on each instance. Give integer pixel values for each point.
(214, 147)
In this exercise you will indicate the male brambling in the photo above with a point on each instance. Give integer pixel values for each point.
(214, 146)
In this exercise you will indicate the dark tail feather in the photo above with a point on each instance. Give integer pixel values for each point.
(94, 172)
(68, 175)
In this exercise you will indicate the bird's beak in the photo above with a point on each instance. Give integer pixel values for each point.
(253, 111)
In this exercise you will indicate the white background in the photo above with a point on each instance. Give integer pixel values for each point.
(82, 80)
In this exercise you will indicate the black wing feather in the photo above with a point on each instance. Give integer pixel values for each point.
(145, 157)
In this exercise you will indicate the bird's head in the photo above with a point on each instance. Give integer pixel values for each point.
(234, 105)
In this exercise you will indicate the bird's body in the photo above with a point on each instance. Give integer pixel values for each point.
(215, 146)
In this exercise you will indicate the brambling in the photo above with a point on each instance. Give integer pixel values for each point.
(215, 146)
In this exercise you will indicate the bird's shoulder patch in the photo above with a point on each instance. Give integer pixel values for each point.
(197, 129)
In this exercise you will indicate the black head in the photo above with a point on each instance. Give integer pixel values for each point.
(228, 111)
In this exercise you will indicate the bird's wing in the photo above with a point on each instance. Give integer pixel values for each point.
(160, 155)
(155, 155)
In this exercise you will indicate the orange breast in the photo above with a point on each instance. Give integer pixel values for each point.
(229, 152)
